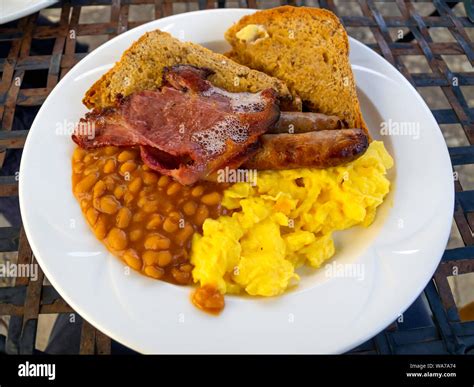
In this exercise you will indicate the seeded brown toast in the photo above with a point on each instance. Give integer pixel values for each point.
(141, 68)
(308, 49)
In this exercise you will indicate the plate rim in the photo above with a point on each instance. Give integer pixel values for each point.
(26, 224)
(22, 12)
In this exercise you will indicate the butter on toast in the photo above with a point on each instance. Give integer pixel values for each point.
(308, 49)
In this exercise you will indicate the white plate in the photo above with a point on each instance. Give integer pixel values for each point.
(15, 9)
(399, 252)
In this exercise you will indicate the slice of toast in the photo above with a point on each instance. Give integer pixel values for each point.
(308, 49)
(141, 68)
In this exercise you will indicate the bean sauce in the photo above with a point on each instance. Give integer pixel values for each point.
(144, 218)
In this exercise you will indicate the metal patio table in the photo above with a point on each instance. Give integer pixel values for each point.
(36, 52)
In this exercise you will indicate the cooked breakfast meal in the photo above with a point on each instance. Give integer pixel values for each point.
(229, 171)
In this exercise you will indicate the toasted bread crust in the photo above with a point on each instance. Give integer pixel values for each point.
(141, 68)
(308, 49)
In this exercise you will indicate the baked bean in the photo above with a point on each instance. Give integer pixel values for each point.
(150, 257)
(154, 222)
(117, 239)
(135, 235)
(119, 191)
(135, 185)
(166, 206)
(173, 189)
(78, 167)
(127, 167)
(79, 154)
(109, 166)
(202, 214)
(124, 216)
(100, 229)
(92, 215)
(175, 216)
(163, 181)
(160, 258)
(88, 158)
(139, 217)
(99, 189)
(85, 204)
(157, 242)
(197, 191)
(154, 272)
(182, 254)
(126, 155)
(109, 183)
(181, 277)
(189, 208)
(128, 198)
(110, 150)
(89, 170)
(184, 234)
(187, 268)
(150, 178)
(211, 199)
(86, 183)
(169, 225)
(164, 258)
(132, 259)
(141, 201)
(151, 206)
(96, 203)
(109, 205)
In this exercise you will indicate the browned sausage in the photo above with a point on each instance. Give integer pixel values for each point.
(235, 163)
(322, 149)
(299, 122)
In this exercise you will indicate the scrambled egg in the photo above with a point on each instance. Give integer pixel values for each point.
(286, 221)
